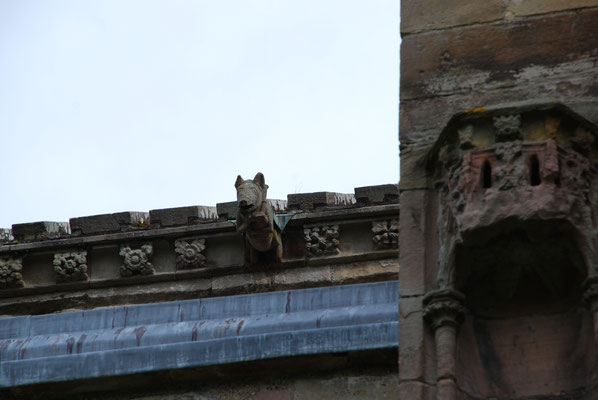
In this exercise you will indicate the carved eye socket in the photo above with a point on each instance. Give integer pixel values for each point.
(534, 171)
(486, 175)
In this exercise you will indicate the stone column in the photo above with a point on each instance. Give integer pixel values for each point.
(590, 297)
(444, 312)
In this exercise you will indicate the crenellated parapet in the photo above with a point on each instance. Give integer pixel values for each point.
(196, 251)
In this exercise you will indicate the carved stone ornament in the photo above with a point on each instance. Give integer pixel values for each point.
(189, 253)
(10, 273)
(322, 240)
(255, 220)
(386, 234)
(71, 266)
(444, 307)
(136, 261)
(507, 126)
(531, 172)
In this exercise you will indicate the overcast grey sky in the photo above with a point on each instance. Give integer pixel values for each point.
(110, 106)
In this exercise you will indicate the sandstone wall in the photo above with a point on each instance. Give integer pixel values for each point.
(467, 55)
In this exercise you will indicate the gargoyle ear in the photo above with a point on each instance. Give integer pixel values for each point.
(259, 179)
(238, 182)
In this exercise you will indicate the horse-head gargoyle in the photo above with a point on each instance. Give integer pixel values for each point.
(255, 219)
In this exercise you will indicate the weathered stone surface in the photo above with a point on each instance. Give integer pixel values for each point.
(241, 283)
(411, 335)
(518, 8)
(302, 277)
(107, 223)
(136, 261)
(71, 266)
(312, 201)
(413, 171)
(421, 121)
(371, 270)
(412, 242)
(35, 231)
(255, 220)
(10, 272)
(478, 58)
(189, 253)
(386, 234)
(6, 235)
(379, 194)
(416, 390)
(322, 240)
(360, 387)
(178, 216)
(227, 210)
(418, 15)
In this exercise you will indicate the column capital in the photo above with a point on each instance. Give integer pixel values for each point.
(444, 307)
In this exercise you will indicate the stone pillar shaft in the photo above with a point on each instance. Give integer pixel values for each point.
(444, 313)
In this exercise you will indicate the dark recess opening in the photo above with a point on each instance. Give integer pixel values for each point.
(534, 175)
(486, 175)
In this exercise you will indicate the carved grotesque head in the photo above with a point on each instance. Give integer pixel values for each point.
(251, 193)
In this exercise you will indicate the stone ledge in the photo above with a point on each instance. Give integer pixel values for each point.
(228, 281)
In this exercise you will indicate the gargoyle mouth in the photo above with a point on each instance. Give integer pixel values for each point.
(245, 206)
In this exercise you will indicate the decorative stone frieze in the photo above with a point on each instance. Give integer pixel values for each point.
(71, 266)
(136, 261)
(189, 253)
(386, 234)
(322, 240)
(10, 273)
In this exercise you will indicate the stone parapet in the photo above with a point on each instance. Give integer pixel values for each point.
(189, 252)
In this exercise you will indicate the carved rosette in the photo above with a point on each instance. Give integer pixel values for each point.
(10, 273)
(136, 261)
(71, 266)
(386, 234)
(322, 240)
(444, 307)
(189, 253)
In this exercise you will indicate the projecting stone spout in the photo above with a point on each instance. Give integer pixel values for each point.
(255, 220)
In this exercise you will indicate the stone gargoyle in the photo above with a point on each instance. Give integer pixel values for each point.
(255, 220)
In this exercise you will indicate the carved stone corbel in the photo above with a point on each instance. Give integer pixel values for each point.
(444, 312)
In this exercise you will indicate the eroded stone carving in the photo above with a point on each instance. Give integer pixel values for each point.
(507, 126)
(510, 176)
(255, 220)
(71, 266)
(190, 253)
(386, 234)
(322, 240)
(136, 261)
(10, 273)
